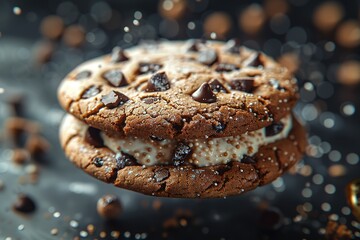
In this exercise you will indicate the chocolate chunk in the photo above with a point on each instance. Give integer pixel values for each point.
(149, 67)
(37, 145)
(98, 162)
(223, 168)
(150, 100)
(161, 174)
(24, 204)
(275, 83)
(118, 55)
(92, 136)
(226, 67)
(243, 84)
(20, 156)
(271, 219)
(181, 154)
(155, 138)
(124, 159)
(194, 45)
(83, 74)
(90, 92)
(114, 99)
(274, 129)
(109, 207)
(219, 127)
(204, 94)
(248, 159)
(254, 60)
(116, 78)
(233, 46)
(207, 57)
(158, 82)
(216, 86)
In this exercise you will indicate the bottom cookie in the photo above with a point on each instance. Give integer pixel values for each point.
(234, 178)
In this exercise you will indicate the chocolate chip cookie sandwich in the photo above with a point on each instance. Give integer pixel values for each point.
(182, 119)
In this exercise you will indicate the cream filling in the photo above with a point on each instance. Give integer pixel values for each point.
(205, 152)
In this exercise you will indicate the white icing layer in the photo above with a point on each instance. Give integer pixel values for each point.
(205, 152)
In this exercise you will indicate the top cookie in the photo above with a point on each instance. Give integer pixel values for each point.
(179, 90)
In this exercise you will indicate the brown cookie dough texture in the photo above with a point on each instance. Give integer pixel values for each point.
(179, 90)
(185, 181)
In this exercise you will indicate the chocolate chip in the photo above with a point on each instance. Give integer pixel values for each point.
(114, 99)
(155, 138)
(149, 67)
(109, 207)
(243, 84)
(24, 204)
(216, 86)
(275, 83)
(207, 57)
(222, 169)
(150, 100)
(83, 74)
(181, 154)
(226, 67)
(116, 78)
(274, 129)
(161, 174)
(254, 60)
(248, 159)
(271, 219)
(124, 159)
(98, 162)
(233, 46)
(220, 127)
(118, 55)
(204, 94)
(158, 82)
(92, 136)
(90, 92)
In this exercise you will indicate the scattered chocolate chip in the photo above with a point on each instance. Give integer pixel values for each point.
(271, 219)
(114, 99)
(248, 159)
(204, 94)
(243, 84)
(254, 60)
(20, 156)
(2, 185)
(98, 162)
(233, 46)
(150, 100)
(118, 55)
(161, 174)
(207, 57)
(275, 83)
(83, 74)
(274, 129)
(93, 137)
(16, 103)
(90, 92)
(158, 82)
(155, 138)
(116, 78)
(226, 67)
(109, 207)
(36, 145)
(216, 86)
(220, 127)
(222, 169)
(124, 159)
(149, 67)
(181, 153)
(24, 204)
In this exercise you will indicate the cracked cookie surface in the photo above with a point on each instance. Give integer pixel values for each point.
(179, 90)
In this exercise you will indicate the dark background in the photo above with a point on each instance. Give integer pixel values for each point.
(32, 66)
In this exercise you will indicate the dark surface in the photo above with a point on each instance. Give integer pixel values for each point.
(62, 188)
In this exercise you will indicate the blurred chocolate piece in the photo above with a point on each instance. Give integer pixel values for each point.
(207, 57)
(43, 51)
(233, 46)
(254, 60)
(16, 101)
(93, 137)
(219, 23)
(52, 27)
(16, 128)
(92, 91)
(252, 19)
(24, 204)
(336, 231)
(226, 67)
(2, 185)
(109, 207)
(291, 61)
(36, 145)
(20, 156)
(118, 55)
(328, 15)
(348, 34)
(337, 170)
(116, 78)
(217, 86)
(74, 36)
(145, 67)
